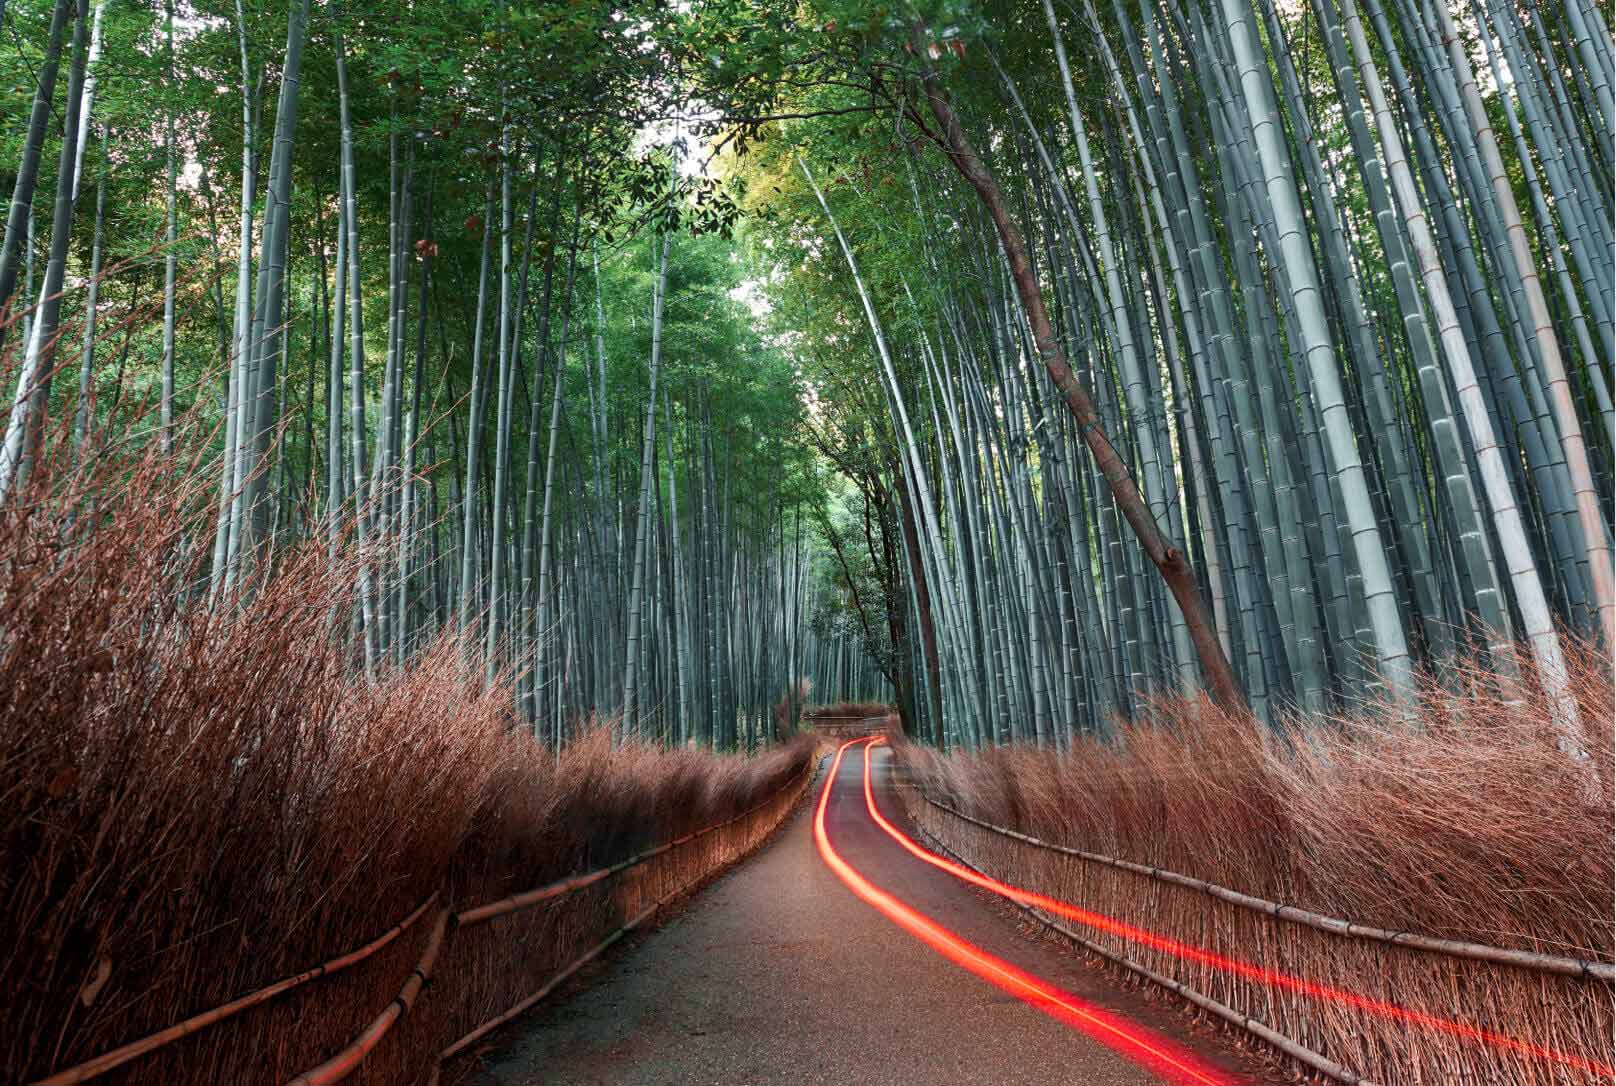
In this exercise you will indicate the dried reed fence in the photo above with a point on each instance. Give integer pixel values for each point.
(644, 882)
(1469, 826)
(197, 802)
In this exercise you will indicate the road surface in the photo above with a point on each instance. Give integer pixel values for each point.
(780, 973)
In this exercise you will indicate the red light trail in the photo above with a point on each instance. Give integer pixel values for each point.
(1192, 953)
(1175, 1066)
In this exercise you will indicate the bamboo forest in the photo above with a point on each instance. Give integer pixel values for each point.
(475, 470)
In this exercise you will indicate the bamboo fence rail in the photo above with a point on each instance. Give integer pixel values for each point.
(343, 1063)
(1523, 959)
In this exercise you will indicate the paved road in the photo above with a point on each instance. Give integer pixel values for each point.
(779, 974)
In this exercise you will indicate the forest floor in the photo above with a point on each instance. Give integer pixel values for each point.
(778, 974)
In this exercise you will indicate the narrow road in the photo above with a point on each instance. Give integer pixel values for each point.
(785, 972)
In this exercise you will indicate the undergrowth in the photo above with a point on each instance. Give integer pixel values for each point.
(1472, 818)
(200, 797)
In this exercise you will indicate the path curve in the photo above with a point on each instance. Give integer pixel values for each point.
(780, 974)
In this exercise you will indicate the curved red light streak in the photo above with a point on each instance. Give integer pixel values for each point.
(1187, 952)
(1176, 1066)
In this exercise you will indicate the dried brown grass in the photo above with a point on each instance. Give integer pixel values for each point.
(1470, 821)
(195, 802)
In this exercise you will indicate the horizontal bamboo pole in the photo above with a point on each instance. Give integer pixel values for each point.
(1453, 948)
(1257, 1028)
(532, 897)
(90, 1069)
(342, 1065)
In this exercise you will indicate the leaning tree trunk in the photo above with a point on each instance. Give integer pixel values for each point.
(1169, 559)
